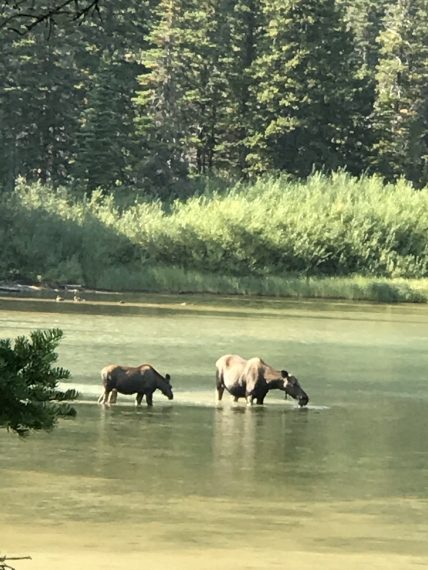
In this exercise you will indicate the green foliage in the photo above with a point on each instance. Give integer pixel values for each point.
(104, 156)
(66, 100)
(337, 225)
(308, 109)
(157, 278)
(50, 233)
(156, 93)
(182, 93)
(365, 19)
(29, 382)
(238, 35)
(401, 108)
(38, 106)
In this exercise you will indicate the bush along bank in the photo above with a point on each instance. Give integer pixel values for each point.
(334, 236)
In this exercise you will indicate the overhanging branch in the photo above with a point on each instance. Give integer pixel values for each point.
(5, 566)
(22, 16)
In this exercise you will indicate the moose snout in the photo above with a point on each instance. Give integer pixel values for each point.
(303, 400)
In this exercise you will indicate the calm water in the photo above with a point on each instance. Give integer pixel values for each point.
(191, 484)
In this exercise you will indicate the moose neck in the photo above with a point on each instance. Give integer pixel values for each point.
(277, 384)
(160, 384)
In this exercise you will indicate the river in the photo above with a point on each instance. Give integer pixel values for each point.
(191, 484)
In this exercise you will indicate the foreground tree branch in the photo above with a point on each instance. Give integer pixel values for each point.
(5, 566)
(30, 397)
(21, 16)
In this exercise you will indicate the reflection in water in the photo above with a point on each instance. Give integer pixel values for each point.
(193, 484)
(234, 443)
(268, 451)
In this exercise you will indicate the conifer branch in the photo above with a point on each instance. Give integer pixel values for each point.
(5, 559)
(22, 16)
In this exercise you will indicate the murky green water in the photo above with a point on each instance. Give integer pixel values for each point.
(342, 483)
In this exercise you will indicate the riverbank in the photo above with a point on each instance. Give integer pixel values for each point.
(357, 288)
(180, 281)
(327, 237)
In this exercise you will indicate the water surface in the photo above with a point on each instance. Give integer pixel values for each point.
(193, 484)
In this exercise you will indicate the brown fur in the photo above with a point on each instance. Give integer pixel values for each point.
(253, 379)
(142, 380)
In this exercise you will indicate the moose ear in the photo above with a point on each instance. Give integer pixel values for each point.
(167, 377)
(284, 374)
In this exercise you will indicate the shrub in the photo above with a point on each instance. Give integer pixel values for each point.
(324, 226)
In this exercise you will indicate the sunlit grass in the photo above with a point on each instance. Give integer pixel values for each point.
(178, 280)
(275, 236)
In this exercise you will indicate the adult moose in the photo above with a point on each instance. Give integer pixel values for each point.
(142, 380)
(252, 379)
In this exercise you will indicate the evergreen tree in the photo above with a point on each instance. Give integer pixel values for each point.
(106, 150)
(38, 107)
(306, 90)
(237, 41)
(182, 92)
(29, 382)
(365, 19)
(157, 90)
(401, 108)
(106, 141)
(51, 96)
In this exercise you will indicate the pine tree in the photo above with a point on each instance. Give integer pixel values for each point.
(238, 32)
(50, 92)
(106, 150)
(365, 18)
(38, 107)
(29, 382)
(401, 108)
(106, 139)
(306, 90)
(183, 91)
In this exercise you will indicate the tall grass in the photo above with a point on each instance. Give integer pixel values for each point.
(178, 280)
(272, 229)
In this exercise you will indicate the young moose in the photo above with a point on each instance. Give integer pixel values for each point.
(142, 380)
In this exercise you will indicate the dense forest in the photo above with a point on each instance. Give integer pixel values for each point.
(151, 94)
(216, 145)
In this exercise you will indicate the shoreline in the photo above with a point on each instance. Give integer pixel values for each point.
(190, 283)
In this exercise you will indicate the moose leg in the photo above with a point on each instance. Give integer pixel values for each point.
(219, 386)
(103, 399)
(219, 391)
(261, 397)
(249, 398)
(149, 399)
(112, 399)
(139, 399)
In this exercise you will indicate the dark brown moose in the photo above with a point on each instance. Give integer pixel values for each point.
(252, 379)
(142, 380)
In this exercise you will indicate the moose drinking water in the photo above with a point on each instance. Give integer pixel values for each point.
(142, 380)
(252, 379)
